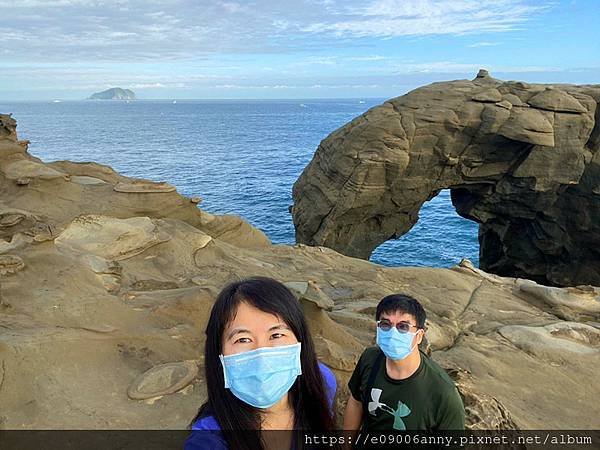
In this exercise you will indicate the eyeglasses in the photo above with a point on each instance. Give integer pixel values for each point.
(402, 327)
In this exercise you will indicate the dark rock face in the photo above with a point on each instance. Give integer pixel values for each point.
(114, 94)
(520, 159)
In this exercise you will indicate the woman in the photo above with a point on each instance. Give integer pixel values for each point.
(261, 369)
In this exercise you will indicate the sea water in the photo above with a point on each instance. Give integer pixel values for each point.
(241, 157)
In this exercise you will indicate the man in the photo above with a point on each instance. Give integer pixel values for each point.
(394, 385)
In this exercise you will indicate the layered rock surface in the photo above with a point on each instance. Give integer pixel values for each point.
(105, 294)
(522, 160)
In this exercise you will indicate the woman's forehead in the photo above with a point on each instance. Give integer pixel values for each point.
(247, 315)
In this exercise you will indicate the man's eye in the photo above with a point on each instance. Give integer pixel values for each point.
(277, 335)
(243, 340)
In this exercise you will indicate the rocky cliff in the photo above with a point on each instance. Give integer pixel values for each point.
(106, 284)
(522, 160)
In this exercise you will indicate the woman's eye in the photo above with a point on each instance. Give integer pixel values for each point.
(243, 340)
(277, 335)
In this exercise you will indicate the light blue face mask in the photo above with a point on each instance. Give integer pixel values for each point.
(395, 345)
(263, 376)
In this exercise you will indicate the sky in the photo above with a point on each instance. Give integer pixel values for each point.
(271, 49)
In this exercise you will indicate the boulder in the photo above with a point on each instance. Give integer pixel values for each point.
(556, 100)
(110, 238)
(528, 125)
(163, 379)
(491, 95)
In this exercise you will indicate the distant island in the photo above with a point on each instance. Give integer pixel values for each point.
(114, 94)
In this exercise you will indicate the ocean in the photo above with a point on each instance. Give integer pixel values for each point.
(241, 156)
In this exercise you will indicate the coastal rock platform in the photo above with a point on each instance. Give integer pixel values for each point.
(105, 294)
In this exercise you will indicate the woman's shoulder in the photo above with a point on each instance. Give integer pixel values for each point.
(328, 375)
(206, 423)
(330, 382)
(206, 435)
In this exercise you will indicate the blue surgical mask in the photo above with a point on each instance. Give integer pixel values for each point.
(263, 376)
(395, 345)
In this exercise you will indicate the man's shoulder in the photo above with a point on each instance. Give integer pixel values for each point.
(369, 355)
(450, 410)
(437, 374)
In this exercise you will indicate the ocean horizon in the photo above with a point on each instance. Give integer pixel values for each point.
(242, 156)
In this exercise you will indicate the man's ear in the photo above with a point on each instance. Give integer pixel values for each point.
(420, 335)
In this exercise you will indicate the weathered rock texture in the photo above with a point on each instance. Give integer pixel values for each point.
(522, 160)
(104, 298)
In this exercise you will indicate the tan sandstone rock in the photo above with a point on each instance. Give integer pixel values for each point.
(520, 159)
(110, 305)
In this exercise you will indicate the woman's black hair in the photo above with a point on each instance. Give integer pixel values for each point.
(308, 395)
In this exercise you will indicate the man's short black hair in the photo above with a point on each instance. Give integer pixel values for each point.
(403, 303)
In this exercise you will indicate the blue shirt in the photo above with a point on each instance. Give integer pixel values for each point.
(211, 436)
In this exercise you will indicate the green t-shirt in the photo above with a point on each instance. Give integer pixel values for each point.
(427, 400)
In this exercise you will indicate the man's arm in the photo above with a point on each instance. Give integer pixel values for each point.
(352, 418)
(354, 409)
(353, 414)
(452, 411)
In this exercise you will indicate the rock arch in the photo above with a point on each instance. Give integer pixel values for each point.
(522, 160)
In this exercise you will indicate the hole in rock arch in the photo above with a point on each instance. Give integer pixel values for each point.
(441, 238)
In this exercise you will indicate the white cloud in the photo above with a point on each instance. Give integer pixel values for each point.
(388, 18)
(437, 67)
(319, 60)
(336, 60)
(251, 86)
(442, 67)
(232, 7)
(144, 30)
(24, 4)
(367, 58)
(147, 85)
(484, 44)
(285, 86)
(235, 44)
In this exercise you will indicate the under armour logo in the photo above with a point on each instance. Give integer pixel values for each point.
(401, 411)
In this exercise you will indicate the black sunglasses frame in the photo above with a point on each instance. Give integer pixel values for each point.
(402, 327)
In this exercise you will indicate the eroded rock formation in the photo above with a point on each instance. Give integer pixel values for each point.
(522, 160)
(105, 295)
(73, 189)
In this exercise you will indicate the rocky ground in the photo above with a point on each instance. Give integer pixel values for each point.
(106, 284)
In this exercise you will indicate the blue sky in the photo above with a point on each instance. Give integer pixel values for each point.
(68, 49)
